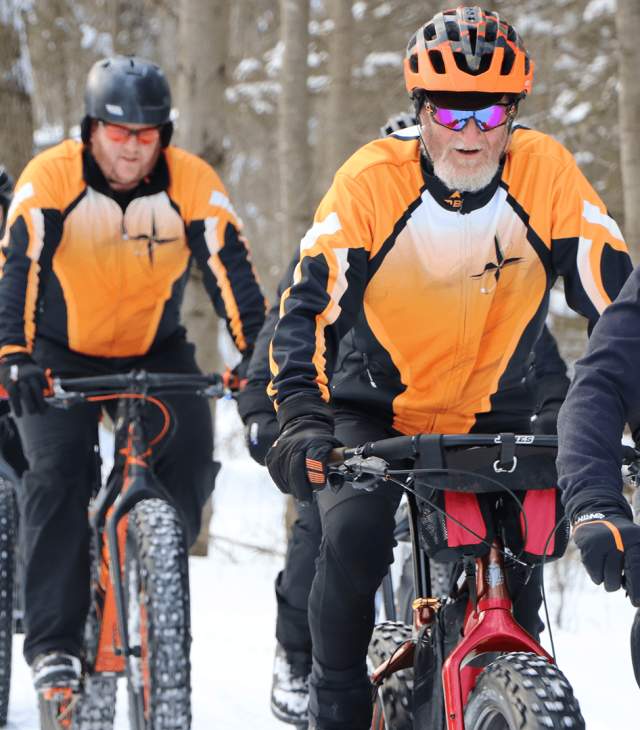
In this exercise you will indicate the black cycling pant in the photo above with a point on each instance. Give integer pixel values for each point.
(293, 583)
(56, 489)
(356, 551)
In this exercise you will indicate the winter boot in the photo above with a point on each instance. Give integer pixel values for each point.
(290, 687)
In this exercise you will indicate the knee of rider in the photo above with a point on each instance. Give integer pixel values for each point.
(361, 541)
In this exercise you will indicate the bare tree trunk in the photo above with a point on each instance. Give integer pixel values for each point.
(203, 30)
(628, 28)
(16, 119)
(339, 142)
(293, 113)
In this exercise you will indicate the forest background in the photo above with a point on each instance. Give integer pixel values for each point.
(276, 94)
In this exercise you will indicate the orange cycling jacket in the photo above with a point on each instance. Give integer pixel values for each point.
(447, 292)
(104, 273)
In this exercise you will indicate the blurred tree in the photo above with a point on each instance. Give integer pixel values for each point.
(628, 29)
(202, 34)
(339, 142)
(293, 122)
(16, 120)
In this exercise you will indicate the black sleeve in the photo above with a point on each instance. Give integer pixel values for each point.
(604, 395)
(254, 398)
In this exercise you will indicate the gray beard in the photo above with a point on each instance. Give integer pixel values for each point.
(468, 182)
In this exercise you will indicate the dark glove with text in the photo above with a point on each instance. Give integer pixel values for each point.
(609, 544)
(25, 382)
(261, 430)
(298, 459)
(259, 418)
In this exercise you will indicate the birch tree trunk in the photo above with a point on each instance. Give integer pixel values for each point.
(203, 30)
(293, 142)
(16, 119)
(293, 116)
(628, 29)
(339, 111)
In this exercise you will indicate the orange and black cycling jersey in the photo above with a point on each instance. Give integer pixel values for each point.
(103, 273)
(446, 291)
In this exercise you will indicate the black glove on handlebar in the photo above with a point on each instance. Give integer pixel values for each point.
(25, 382)
(609, 543)
(298, 459)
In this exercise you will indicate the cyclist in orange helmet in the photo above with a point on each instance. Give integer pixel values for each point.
(436, 248)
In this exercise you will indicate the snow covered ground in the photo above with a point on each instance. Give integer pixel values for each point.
(233, 613)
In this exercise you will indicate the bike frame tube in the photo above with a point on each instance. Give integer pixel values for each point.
(491, 627)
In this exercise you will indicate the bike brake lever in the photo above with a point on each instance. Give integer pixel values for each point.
(364, 474)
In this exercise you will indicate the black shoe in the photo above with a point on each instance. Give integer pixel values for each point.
(290, 687)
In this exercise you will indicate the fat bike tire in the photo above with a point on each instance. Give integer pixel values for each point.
(156, 584)
(522, 691)
(392, 708)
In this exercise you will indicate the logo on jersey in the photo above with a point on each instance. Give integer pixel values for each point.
(152, 238)
(496, 268)
(455, 200)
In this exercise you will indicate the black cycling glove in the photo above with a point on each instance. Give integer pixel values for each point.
(259, 418)
(261, 430)
(298, 459)
(609, 544)
(25, 382)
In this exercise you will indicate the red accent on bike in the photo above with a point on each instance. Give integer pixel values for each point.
(540, 508)
(490, 628)
(463, 507)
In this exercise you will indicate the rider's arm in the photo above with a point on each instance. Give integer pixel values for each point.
(34, 228)
(603, 396)
(254, 398)
(222, 253)
(587, 247)
(324, 299)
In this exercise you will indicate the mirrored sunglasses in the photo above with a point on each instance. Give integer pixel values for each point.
(486, 119)
(119, 134)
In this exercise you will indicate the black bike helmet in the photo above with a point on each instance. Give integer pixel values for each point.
(127, 90)
(6, 193)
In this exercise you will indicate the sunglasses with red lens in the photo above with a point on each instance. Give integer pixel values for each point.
(491, 117)
(120, 134)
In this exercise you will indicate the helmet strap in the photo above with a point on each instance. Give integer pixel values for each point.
(166, 132)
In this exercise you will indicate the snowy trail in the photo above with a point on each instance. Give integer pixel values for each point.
(233, 616)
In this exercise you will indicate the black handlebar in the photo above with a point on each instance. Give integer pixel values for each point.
(67, 390)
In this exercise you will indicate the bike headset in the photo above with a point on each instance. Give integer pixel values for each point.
(466, 58)
(6, 193)
(127, 90)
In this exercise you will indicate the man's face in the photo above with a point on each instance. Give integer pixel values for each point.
(466, 160)
(124, 158)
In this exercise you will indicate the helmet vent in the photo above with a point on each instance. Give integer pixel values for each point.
(453, 32)
(413, 62)
(507, 61)
(429, 32)
(437, 61)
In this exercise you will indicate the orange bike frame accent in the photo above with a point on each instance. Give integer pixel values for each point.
(110, 655)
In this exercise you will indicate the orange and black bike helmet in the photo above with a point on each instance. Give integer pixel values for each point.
(468, 49)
